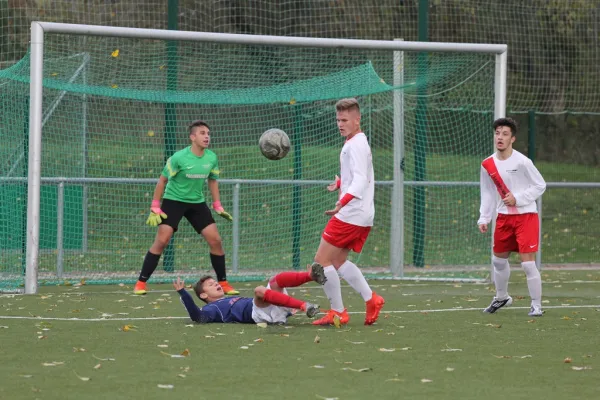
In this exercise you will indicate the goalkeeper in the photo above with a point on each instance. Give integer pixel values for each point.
(182, 183)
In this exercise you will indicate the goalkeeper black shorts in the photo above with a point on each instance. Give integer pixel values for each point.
(198, 214)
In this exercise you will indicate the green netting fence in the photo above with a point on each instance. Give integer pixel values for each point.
(115, 108)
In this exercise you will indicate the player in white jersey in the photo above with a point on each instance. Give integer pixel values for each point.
(351, 219)
(510, 185)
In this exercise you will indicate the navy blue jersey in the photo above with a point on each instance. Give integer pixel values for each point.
(228, 309)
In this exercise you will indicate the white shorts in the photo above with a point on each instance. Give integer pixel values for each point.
(271, 314)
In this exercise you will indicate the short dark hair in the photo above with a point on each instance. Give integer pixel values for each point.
(511, 123)
(196, 123)
(198, 286)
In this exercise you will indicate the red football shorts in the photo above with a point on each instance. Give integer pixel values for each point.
(517, 232)
(345, 236)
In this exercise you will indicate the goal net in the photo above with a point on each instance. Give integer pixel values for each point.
(116, 104)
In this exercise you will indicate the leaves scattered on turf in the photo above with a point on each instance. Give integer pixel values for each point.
(568, 360)
(425, 380)
(317, 366)
(183, 354)
(386, 350)
(317, 339)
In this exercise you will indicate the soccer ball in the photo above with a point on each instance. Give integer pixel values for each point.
(274, 144)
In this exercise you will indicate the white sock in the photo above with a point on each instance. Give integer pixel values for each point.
(534, 282)
(501, 276)
(333, 288)
(351, 274)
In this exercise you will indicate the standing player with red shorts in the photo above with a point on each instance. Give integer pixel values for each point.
(510, 185)
(351, 219)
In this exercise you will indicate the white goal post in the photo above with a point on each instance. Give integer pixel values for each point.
(39, 29)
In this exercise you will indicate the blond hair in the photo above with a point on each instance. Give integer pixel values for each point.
(347, 104)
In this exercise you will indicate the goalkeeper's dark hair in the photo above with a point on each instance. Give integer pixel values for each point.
(198, 286)
(197, 123)
(511, 123)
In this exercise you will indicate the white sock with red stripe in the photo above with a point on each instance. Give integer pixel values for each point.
(534, 282)
(351, 274)
(333, 288)
(501, 276)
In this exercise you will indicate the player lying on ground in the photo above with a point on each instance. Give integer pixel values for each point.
(270, 304)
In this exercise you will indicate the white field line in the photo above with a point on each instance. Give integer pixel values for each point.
(439, 310)
(254, 284)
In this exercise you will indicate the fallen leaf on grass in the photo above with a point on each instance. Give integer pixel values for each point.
(449, 349)
(259, 340)
(574, 368)
(566, 318)
(181, 375)
(327, 398)
(26, 376)
(244, 347)
(262, 324)
(185, 353)
(317, 339)
(386, 350)
(494, 325)
(103, 359)
(425, 380)
(78, 350)
(317, 366)
(568, 360)
(127, 328)
(97, 366)
(349, 341)
(449, 369)
(161, 386)
(336, 322)
(82, 378)
(164, 346)
(52, 364)
(3, 327)
(357, 370)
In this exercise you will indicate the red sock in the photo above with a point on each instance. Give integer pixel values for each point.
(291, 279)
(281, 299)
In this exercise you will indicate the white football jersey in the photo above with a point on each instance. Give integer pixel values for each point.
(521, 178)
(358, 179)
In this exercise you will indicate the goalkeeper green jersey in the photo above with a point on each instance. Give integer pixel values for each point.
(187, 173)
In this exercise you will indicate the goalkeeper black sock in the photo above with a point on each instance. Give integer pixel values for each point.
(150, 264)
(218, 264)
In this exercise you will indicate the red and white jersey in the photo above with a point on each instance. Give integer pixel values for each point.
(520, 177)
(358, 179)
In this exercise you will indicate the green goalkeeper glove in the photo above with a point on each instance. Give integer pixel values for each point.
(219, 210)
(156, 214)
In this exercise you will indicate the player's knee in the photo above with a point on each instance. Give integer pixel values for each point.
(214, 241)
(500, 263)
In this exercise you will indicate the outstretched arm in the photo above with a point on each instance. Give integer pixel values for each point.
(193, 310)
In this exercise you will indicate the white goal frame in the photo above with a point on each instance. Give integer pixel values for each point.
(39, 29)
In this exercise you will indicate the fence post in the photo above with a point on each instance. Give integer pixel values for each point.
(531, 154)
(171, 115)
(421, 141)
